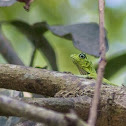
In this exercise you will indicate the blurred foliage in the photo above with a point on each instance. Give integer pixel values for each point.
(69, 12)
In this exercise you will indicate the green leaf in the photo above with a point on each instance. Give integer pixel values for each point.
(115, 64)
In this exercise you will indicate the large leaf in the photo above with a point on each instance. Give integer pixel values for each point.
(85, 36)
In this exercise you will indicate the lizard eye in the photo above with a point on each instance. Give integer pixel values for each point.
(83, 56)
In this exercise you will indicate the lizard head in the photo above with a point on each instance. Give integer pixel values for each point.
(82, 62)
(79, 59)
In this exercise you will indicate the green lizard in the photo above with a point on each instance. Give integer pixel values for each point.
(86, 67)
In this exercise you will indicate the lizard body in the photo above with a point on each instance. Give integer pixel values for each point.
(86, 67)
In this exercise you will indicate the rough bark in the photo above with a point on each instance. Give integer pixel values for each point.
(49, 117)
(63, 105)
(69, 91)
(39, 81)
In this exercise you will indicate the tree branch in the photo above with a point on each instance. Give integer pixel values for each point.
(111, 110)
(63, 105)
(66, 87)
(18, 108)
(39, 81)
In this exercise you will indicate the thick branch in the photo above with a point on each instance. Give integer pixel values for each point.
(18, 108)
(63, 105)
(35, 80)
(111, 110)
(112, 107)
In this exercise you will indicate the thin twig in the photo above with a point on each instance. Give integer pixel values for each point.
(101, 67)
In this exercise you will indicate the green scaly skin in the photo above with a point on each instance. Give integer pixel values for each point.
(86, 67)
